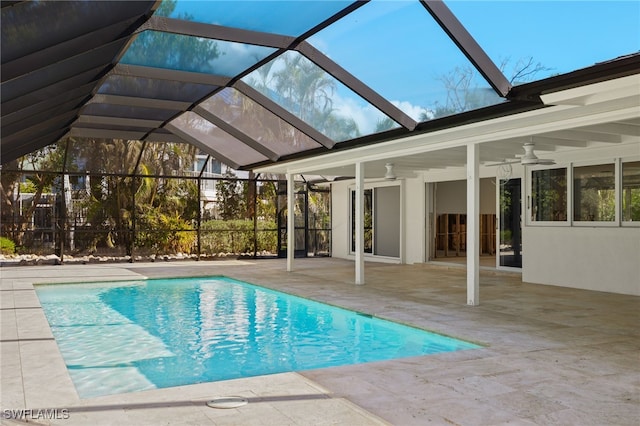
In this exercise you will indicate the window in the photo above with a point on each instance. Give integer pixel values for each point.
(549, 195)
(631, 191)
(594, 195)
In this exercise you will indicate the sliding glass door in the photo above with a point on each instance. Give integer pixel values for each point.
(381, 221)
(510, 235)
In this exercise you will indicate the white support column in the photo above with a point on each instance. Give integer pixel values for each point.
(291, 237)
(359, 223)
(473, 225)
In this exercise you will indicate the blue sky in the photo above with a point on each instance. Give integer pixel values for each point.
(562, 34)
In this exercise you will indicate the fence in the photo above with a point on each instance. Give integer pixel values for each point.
(110, 217)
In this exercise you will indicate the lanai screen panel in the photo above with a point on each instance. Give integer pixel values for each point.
(102, 155)
(140, 103)
(210, 138)
(126, 111)
(258, 123)
(154, 89)
(194, 54)
(167, 159)
(53, 54)
(291, 18)
(313, 95)
(397, 49)
(553, 37)
(49, 159)
(326, 71)
(51, 74)
(61, 21)
(80, 85)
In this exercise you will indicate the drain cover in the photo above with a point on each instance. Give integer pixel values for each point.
(228, 402)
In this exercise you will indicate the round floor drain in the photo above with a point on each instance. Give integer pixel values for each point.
(228, 402)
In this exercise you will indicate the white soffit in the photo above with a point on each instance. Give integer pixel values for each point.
(610, 101)
(596, 93)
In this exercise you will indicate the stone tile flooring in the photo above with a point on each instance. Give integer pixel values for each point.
(552, 356)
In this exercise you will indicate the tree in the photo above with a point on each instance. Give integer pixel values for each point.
(232, 203)
(175, 51)
(9, 193)
(463, 93)
(307, 91)
(523, 70)
(44, 163)
(383, 124)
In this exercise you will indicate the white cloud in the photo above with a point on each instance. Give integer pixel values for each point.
(367, 116)
(413, 111)
(237, 56)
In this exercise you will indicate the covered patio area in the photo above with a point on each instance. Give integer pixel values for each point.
(551, 355)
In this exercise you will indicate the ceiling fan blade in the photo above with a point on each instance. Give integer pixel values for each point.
(502, 163)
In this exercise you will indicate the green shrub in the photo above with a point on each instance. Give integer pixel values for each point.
(236, 236)
(165, 233)
(7, 246)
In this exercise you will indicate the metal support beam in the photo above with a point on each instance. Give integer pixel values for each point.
(61, 51)
(291, 240)
(282, 113)
(106, 121)
(359, 223)
(467, 44)
(201, 145)
(236, 133)
(134, 101)
(87, 132)
(473, 224)
(166, 74)
(217, 32)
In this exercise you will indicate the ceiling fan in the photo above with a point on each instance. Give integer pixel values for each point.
(529, 158)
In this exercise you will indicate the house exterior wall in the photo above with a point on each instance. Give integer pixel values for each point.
(415, 221)
(601, 259)
(340, 219)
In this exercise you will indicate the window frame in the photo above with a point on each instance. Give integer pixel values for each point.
(529, 197)
(618, 221)
(619, 192)
(616, 190)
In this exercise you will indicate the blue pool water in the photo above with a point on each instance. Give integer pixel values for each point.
(137, 335)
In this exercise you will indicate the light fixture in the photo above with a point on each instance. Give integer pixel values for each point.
(389, 175)
(530, 158)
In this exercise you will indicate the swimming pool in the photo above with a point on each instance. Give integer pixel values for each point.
(137, 335)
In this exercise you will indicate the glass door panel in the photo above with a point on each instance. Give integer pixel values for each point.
(510, 235)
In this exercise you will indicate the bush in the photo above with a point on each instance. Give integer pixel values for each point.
(7, 246)
(165, 234)
(236, 236)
